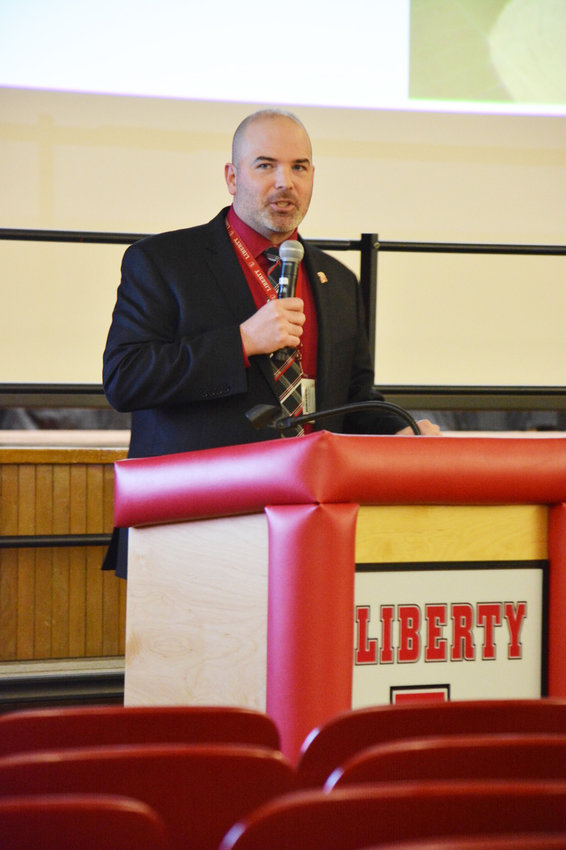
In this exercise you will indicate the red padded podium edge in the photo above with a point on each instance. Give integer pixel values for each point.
(325, 467)
(310, 488)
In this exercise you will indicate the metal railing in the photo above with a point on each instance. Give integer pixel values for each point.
(369, 246)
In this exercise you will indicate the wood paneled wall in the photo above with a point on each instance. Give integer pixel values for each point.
(56, 602)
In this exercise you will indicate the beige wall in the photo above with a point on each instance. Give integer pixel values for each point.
(140, 165)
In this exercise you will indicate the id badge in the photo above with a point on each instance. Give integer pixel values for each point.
(308, 394)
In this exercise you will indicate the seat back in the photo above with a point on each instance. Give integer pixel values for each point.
(528, 756)
(510, 841)
(88, 822)
(330, 745)
(48, 728)
(198, 790)
(361, 816)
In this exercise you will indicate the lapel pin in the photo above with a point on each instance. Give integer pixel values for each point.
(322, 277)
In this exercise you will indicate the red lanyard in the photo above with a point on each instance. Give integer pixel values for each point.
(251, 263)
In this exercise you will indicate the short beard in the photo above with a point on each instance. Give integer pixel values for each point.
(277, 225)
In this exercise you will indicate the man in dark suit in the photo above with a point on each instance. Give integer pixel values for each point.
(195, 325)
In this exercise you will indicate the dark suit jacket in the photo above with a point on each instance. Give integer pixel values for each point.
(174, 354)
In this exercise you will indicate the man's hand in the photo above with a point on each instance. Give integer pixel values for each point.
(278, 324)
(426, 427)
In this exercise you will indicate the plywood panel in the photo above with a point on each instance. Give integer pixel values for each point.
(8, 564)
(56, 602)
(94, 586)
(197, 613)
(43, 566)
(77, 579)
(61, 564)
(26, 563)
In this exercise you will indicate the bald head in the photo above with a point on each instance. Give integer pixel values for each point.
(261, 115)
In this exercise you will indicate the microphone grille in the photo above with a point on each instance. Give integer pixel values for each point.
(291, 251)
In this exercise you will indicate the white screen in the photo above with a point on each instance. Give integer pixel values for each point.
(462, 55)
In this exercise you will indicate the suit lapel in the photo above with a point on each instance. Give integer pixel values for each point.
(227, 271)
(232, 283)
(324, 308)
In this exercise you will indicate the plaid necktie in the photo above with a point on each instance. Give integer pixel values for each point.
(286, 363)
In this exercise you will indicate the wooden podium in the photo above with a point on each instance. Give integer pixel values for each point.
(244, 566)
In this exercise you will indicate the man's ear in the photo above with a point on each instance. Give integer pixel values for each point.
(230, 177)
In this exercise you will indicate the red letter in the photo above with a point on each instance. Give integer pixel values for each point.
(463, 640)
(366, 652)
(489, 616)
(386, 654)
(436, 617)
(409, 640)
(515, 614)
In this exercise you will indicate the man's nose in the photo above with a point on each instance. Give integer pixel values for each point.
(283, 177)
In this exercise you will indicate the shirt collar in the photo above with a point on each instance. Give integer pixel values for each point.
(254, 241)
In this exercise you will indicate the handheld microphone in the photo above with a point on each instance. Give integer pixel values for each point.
(291, 253)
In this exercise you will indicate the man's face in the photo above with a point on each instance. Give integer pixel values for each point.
(272, 177)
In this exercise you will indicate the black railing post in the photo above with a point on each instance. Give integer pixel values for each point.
(368, 285)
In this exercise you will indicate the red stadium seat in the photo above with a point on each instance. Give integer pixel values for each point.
(510, 841)
(84, 822)
(525, 756)
(362, 816)
(49, 728)
(198, 790)
(329, 746)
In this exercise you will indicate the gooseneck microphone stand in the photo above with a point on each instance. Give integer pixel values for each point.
(269, 415)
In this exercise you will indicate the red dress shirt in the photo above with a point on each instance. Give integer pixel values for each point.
(256, 245)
